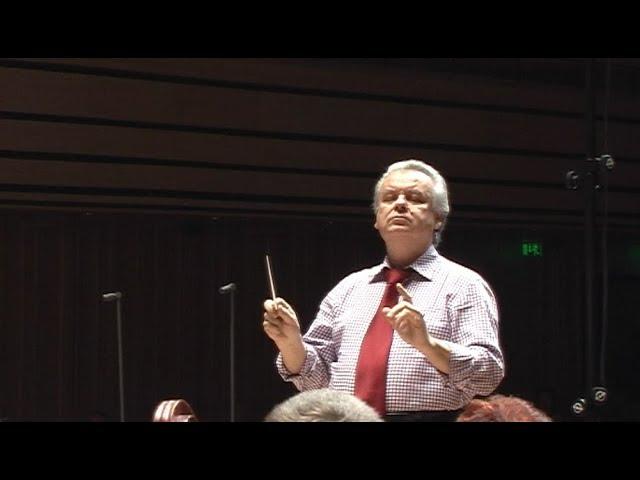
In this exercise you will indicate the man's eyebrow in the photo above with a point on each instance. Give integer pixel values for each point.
(407, 189)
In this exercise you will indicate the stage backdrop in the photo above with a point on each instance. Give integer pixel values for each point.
(167, 178)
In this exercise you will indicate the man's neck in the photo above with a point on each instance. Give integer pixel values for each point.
(401, 254)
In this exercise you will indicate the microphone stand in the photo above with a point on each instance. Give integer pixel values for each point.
(231, 289)
(592, 180)
(109, 297)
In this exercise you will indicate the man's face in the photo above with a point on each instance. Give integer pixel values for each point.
(405, 206)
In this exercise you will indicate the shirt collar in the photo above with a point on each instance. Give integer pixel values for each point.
(424, 265)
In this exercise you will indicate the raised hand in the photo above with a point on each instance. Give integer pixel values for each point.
(407, 320)
(280, 321)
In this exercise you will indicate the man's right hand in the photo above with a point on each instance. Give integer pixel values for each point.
(281, 322)
(281, 325)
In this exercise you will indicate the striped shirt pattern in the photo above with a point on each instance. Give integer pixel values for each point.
(459, 308)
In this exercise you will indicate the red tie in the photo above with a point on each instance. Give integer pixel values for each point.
(371, 372)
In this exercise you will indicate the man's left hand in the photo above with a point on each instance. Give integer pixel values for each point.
(407, 320)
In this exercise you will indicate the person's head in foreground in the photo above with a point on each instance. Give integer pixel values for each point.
(500, 408)
(323, 405)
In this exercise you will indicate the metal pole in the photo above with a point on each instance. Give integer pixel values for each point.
(589, 220)
(120, 359)
(110, 297)
(232, 363)
(224, 290)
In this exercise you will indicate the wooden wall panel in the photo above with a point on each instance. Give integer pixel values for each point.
(133, 100)
(129, 145)
(296, 188)
(177, 179)
(336, 76)
(122, 145)
(280, 140)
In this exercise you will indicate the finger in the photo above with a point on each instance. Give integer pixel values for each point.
(271, 330)
(405, 322)
(272, 319)
(282, 306)
(282, 303)
(386, 316)
(392, 312)
(403, 293)
(411, 321)
(273, 327)
(276, 307)
(286, 309)
(392, 319)
(400, 321)
(271, 307)
(411, 308)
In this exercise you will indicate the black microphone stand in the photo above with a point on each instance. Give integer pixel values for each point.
(593, 180)
(231, 289)
(109, 297)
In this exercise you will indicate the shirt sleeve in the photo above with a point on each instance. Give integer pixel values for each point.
(319, 347)
(476, 363)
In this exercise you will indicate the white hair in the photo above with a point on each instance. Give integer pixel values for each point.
(323, 405)
(440, 192)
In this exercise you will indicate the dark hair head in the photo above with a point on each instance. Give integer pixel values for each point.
(500, 408)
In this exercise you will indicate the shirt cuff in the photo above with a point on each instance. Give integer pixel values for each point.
(461, 365)
(306, 366)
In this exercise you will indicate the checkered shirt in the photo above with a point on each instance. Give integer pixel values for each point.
(458, 307)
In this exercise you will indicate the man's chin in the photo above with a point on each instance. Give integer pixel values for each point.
(399, 230)
(400, 226)
(404, 232)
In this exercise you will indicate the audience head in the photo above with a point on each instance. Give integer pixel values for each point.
(500, 408)
(323, 405)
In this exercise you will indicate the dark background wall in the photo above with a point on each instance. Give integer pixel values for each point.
(166, 178)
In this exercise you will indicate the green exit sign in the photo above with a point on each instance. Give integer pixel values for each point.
(531, 249)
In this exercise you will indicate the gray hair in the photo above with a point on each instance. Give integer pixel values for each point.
(323, 405)
(440, 191)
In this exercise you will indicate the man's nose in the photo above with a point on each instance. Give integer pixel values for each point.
(401, 202)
